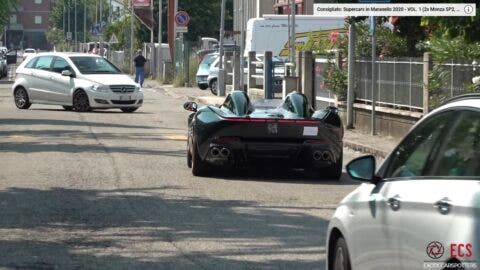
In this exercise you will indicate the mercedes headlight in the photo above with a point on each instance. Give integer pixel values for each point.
(138, 88)
(100, 88)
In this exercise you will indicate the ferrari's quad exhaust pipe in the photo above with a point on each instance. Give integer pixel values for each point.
(322, 155)
(317, 155)
(215, 151)
(225, 152)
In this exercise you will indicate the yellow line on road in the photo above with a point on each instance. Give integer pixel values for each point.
(175, 137)
(20, 138)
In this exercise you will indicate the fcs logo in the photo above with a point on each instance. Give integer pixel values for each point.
(435, 250)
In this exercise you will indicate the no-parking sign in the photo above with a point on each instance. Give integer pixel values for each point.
(182, 18)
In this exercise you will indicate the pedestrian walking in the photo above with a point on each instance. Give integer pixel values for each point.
(139, 68)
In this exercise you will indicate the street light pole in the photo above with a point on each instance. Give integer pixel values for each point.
(221, 72)
(85, 22)
(292, 36)
(242, 44)
(75, 22)
(159, 58)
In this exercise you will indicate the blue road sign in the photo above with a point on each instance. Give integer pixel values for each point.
(182, 18)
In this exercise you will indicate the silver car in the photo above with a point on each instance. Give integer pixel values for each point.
(421, 209)
(75, 81)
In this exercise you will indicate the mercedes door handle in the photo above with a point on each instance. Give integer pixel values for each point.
(443, 206)
(394, 203)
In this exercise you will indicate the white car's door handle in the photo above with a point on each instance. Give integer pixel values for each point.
(394, 202)
(443, 206)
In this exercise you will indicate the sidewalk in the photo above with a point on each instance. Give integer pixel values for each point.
(379, 146)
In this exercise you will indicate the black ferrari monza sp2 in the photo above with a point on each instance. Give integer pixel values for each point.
(280, 132)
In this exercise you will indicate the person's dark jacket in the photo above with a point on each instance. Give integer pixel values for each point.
(140, 61)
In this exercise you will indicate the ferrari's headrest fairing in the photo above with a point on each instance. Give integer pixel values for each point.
(294, 106)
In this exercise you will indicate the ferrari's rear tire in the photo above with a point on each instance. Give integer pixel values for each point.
(189, 156)
(199, 167)
(335, 172)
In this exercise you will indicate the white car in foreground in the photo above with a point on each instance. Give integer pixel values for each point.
(75, 81)
(421, 209)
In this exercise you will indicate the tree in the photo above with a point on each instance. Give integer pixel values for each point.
(92, 15)
(5, 10)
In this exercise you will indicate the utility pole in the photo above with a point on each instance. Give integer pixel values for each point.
(221, 71)
(85, 22)
(292, 37)
(63, 24)
(351, 73)
(159, 58)
(75, 26)
(70, 40)
(132, 46)
(374, 72)
(242, 44)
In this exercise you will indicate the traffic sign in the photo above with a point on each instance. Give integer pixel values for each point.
(182, 29)
(113, 39)
(182, 18)
(69, 35)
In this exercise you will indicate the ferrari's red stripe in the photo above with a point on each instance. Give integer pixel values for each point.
(282, 121)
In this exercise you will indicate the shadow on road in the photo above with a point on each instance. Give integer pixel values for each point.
(105, 229)
(54, 122)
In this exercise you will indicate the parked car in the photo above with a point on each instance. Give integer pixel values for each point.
(3, 64)
(288, 132)
(75, 81)
(278, 72)
(422, 205)
(28, 52)
(204, 69)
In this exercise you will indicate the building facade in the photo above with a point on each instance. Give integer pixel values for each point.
(302, 7)
(29, 24)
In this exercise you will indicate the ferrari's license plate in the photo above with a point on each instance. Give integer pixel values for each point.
(125, 97)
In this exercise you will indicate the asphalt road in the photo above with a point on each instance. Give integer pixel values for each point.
(108, 190)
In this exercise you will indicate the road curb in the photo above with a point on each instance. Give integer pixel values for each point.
(364, 149)
(215, 101)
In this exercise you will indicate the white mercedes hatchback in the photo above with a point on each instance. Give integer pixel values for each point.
(75, 81)
(421, 209)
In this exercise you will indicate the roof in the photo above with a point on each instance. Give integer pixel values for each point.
(68, 54)
(463, 97)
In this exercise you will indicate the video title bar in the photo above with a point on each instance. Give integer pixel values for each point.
(400, 10)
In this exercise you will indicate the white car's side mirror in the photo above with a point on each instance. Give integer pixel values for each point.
(67, 73)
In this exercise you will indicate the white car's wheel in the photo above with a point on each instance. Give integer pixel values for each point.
(341, 259)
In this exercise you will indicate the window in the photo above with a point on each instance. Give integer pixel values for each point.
(59, 65)
(38, 19)
(459, 154)
(31, 63)
(414, 152)
(13, 18)
(44, 62)
(94, 65)
(38, 1)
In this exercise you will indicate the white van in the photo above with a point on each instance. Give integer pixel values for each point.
(270, 33)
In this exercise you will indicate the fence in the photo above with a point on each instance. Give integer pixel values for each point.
(453, 78)
(400, 82)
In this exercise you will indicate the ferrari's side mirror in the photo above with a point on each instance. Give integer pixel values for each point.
(190, 106)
